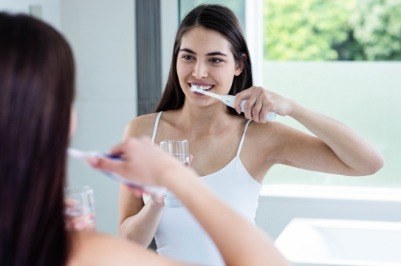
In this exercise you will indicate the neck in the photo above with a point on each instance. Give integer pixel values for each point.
(204, 120)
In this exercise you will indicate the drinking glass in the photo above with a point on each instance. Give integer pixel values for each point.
(80, 208)
(179, 149)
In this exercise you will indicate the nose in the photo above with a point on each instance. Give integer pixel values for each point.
(200, 70)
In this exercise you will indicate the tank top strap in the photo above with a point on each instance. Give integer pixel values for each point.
(242, 138)
(156, 125)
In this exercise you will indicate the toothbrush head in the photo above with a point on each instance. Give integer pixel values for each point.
(195, 88)
(76, 153)
(81, 154)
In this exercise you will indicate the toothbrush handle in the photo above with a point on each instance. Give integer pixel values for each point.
(271, 116)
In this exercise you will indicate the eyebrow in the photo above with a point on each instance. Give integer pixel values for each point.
(208, 54)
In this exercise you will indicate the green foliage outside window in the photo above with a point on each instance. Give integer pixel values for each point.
(332, 30)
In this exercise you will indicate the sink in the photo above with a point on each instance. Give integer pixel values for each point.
(341, 242)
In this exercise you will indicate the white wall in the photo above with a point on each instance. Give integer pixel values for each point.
(169, 26)
(101, 33)
(49, 9)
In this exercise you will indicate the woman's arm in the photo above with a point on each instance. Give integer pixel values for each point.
(358, 156)
(239, 242)
(335, 149)
(93, 248)
(138, 221)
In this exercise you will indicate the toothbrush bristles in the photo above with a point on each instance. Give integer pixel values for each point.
(194, 87)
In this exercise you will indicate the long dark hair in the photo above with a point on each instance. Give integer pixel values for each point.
(36, 94)
(223, 20)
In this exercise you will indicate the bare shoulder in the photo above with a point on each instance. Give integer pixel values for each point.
(92, 248)
(140, 126)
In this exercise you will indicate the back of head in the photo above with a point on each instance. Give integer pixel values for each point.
(222, 20)
(36, 94)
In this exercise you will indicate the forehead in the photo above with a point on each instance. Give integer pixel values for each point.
(202, 40)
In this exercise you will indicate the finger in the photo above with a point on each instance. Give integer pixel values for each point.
(252, 105)
(245, 93)
(237, 103)
(248, 108)
(102, 163)
(241, 96)
(268, 107)
(120, 148)
(256, 111)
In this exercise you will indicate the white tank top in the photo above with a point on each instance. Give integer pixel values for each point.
(181, 237)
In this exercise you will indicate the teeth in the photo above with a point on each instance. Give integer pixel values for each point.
(205, 88)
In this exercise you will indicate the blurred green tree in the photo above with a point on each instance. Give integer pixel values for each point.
(332, 30)
(377, 28)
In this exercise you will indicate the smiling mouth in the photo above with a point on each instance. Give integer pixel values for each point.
(205, 88)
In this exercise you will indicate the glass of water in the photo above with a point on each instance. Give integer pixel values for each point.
(177, 148)
(80, 208)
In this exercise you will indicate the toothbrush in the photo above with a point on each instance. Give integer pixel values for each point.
(229, 101)
(83, 156)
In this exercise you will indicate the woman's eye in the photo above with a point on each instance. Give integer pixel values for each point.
(215, 60)
(187, 57)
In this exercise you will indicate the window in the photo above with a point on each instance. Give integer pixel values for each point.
(332, 30)
(340, 58)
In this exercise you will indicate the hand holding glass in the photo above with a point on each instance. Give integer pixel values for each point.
(178, 149)
(80, 208)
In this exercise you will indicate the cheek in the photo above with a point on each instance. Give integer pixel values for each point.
(225, 78)
(225, 75)
(183, 70)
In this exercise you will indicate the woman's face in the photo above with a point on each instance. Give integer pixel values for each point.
(205, 59)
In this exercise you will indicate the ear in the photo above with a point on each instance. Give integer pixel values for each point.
(240, 65)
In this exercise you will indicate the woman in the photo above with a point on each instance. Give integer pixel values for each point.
(36, 94)
(232, 152)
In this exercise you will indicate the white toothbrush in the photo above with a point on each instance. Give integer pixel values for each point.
(229, 101)
(83, 156)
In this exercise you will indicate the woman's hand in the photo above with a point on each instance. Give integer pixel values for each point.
(141, 162)
(75, 220)
(259, 102)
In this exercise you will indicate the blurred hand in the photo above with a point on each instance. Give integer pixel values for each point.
(75, 221)
(141, 161)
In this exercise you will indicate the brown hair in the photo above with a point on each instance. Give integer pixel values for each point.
(36, 94)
